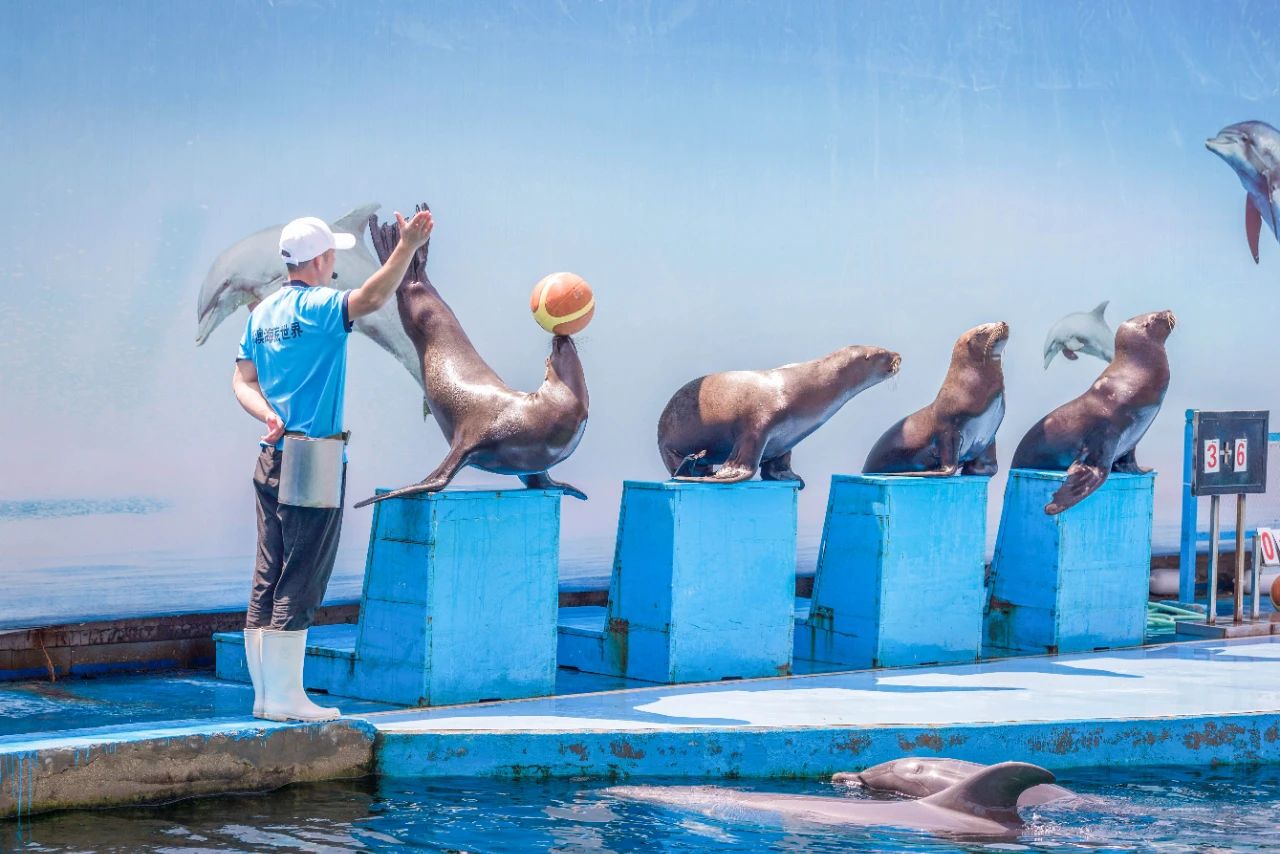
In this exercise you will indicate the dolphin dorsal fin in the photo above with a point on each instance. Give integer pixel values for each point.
(992, 792)
(1101, 309)
(354, 221)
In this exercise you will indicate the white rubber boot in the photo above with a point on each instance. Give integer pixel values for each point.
(283, 697)
(253, 658)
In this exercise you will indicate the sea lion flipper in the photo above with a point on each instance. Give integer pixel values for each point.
(380, 238)
(779, 468)
(742, 463)
(1252, 225)
(983, 464)
(1082, 480)
(434, 482)
(690, 465)
(543, 480)
(1128, 464)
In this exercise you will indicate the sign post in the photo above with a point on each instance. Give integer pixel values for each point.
(1229, 457)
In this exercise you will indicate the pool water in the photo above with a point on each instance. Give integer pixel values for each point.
(1160, 809)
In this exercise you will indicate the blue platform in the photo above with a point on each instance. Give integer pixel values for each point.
(900, 574)
(459, 604)
(1074, 582)
(702, 588)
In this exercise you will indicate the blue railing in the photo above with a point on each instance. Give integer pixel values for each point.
(1190, 536)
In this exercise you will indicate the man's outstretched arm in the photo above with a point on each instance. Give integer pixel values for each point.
(371, 296)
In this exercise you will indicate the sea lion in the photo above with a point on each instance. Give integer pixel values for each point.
(921, 777)
(957, 432)
(488, 424)
(1081, 332)
(742, 421)
(1096, 433)
(1252, 149)
(983, 804)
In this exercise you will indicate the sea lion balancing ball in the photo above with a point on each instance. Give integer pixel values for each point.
(562, 303)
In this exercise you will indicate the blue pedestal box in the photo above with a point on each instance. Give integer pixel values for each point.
(900, 574)
(1074, 582)
(459, 604)
(702, 588)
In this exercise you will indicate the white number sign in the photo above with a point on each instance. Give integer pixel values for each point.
(1242, 455)
(1267, 546)
(1212, 455)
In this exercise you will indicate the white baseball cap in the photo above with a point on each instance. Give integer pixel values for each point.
(310, 237)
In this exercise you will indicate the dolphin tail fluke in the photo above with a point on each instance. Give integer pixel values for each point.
(1252, 225)
(1101, 309)
(354, 220)
(992, 792)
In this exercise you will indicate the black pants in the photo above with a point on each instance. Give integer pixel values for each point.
(296, 550)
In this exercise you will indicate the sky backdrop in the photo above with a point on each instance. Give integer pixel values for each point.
(744, 185)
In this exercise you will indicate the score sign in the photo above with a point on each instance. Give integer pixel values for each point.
(1237, 452)
(1268, 546)
(1230, 452)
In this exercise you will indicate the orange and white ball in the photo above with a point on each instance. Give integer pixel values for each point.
(562, 303)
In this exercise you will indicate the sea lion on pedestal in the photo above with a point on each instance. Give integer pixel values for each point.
(488, 424)
(1096, 433)
(744, 421)
(957, 432)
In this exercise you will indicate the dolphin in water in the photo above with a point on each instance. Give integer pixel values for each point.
(920, 778)
(1253, 150)
(250, 269)
(1082, 332)
(983, 804)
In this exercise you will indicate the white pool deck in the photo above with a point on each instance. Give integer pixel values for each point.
(1212, 701)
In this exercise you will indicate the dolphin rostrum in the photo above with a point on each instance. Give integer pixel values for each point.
(1081, 332)
(1252, 149)
(920, 777)
(250, 269)
(984, 804)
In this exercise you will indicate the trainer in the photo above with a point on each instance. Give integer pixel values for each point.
(291, 375)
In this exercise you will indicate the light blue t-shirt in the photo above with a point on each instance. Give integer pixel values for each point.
(297, 340)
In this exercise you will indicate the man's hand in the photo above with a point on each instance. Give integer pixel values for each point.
(275, 429)
(244, 382)
(416, 231)
(379, 287)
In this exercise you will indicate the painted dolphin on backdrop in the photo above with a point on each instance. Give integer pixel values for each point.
(250, 269)
(982, 805)
(1081, 332)
(1252, 149)
(921, 777)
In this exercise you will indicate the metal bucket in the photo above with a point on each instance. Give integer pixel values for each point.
(311, 471)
